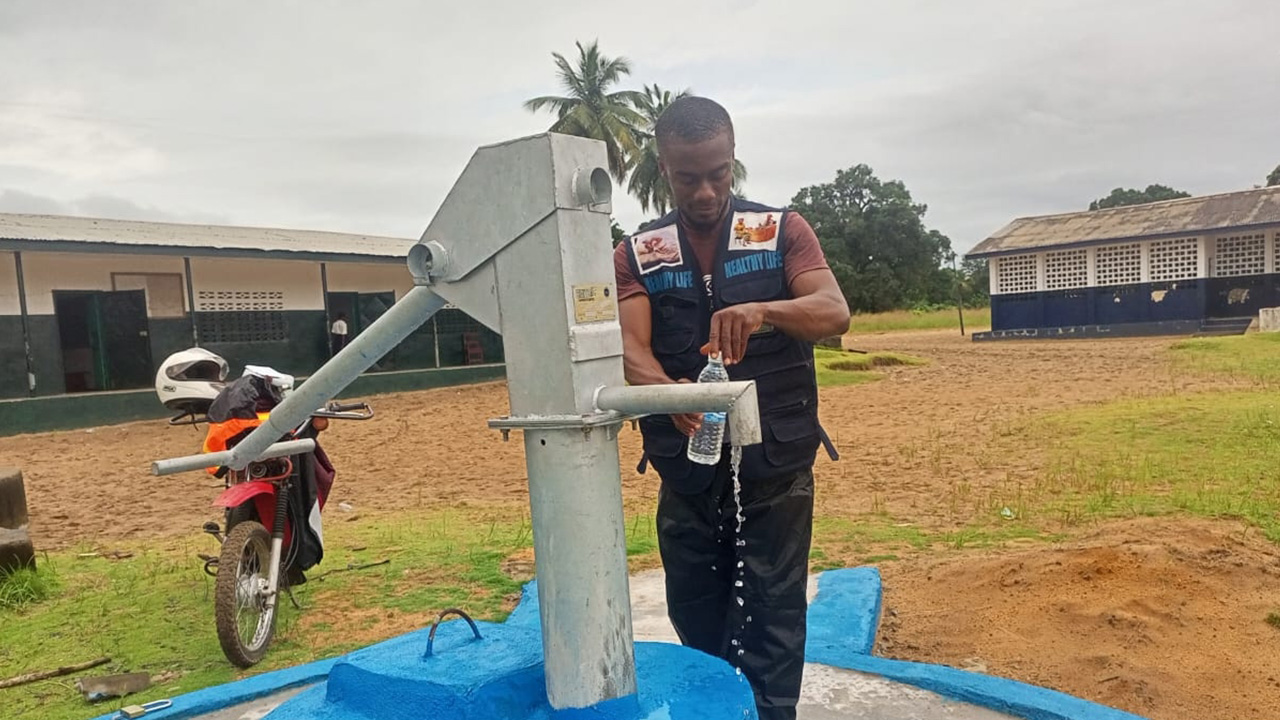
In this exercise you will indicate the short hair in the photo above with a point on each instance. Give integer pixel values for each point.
(692, 119)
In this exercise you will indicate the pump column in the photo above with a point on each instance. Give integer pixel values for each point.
(562, 341)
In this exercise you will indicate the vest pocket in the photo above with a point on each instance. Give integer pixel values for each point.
(790, 437)
(675, 324)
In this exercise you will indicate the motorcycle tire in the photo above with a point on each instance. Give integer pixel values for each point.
(245, 624)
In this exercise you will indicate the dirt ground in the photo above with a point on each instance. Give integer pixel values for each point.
(1159, 617)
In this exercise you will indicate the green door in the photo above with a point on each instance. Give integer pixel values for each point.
(124, 346)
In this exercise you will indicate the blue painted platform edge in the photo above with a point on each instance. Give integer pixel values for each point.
(845, 616)
(220, 697)
(843, 622)
(526, 611)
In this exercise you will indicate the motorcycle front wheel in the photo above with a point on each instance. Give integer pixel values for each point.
(244, 620)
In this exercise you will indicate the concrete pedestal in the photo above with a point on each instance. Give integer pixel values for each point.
(501, 677)
(15, 544)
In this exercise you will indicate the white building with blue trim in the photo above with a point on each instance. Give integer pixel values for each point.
(1194, 265)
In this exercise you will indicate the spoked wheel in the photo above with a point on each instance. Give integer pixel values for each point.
(245, 624)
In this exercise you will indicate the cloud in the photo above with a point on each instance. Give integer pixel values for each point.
(50, 132)
(347, 118)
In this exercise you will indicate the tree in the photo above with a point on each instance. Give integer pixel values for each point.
(647, 184)
(618, 233)
(1120, 197)
(1274, 177)
(592, 109)
(876, 242)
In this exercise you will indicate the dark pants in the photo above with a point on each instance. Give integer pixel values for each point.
(764, 634)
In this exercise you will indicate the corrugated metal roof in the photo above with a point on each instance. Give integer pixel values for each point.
(54, 231)
(1246, 208)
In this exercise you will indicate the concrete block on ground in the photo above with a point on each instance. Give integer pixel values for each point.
(1269, 319)
(15, 543)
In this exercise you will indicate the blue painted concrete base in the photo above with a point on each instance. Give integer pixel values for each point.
(500, 677)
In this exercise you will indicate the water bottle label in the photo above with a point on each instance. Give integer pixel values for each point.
(713, 417)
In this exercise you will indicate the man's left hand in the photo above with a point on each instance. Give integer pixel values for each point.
(730, 330)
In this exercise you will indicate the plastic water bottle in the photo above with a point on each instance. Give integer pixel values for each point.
(704, 446)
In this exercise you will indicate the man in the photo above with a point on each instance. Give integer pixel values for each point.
(338, 333)
(765, 294)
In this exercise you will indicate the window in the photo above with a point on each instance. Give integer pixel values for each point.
(1066, 269)
(1119, 264)
(1175, 259)
(241, 316)
(1240, 255)
(1017, 273)
(225, 300)
(164, 292)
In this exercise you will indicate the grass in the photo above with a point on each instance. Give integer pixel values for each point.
(1273, 619)
(1210, 454)
(1254, 356)
(27, 586)
(153, 612)
(837, 367)
(974, 319)
(876, 537)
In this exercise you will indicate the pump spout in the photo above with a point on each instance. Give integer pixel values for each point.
(738, 399)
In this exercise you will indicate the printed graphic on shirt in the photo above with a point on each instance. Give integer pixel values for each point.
(706, 281)
(657, 249)
(754, 231)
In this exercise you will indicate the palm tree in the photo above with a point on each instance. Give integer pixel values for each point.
(647, 184)
(591, 110)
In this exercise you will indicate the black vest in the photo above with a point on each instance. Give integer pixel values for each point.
(748, 267)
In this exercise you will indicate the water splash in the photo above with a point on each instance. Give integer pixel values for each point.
(735, 459)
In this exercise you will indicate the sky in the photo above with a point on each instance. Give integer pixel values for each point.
(358, 117)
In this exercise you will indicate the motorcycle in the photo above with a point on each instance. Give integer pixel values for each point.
(271, 531)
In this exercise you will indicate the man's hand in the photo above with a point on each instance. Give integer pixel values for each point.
(687, 423)
(730, 330)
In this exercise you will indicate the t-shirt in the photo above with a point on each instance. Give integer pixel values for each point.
(803, 253)
(339, 327)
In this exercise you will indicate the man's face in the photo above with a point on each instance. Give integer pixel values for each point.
(700, 175)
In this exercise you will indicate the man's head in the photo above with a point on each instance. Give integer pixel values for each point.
(695, 155)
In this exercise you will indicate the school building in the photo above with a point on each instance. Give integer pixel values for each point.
(1201, 265)
(89, 307)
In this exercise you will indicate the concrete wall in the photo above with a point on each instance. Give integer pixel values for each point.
(1201, 286)
(369, 277)
(298, 281)
(291, 290)
(46, 272)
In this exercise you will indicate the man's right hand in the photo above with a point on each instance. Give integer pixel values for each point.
(688, 423)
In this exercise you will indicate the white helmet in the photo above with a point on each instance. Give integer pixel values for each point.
(190, 380)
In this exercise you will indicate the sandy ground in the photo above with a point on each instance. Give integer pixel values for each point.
(1162, 618)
